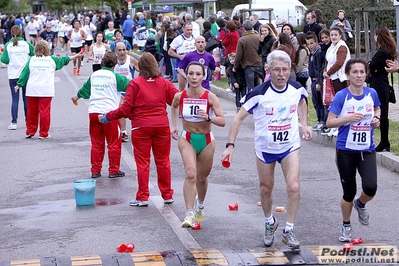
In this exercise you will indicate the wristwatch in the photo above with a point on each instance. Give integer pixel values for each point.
(376, 116)
(209, 119)
(229, 144)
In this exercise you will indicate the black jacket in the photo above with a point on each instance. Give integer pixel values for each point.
(265, 46)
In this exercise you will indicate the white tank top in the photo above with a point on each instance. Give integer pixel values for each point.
(76, 39)
(124, 69)
(98, 53)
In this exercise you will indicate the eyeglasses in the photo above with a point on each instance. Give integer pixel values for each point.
(278, 70)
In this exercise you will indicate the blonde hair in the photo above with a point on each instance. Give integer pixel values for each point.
(42, 49)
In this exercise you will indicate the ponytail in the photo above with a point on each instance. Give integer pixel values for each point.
(15, 41)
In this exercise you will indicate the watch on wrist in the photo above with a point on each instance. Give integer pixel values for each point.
(376, 116)
(229, 144)
(208, 119)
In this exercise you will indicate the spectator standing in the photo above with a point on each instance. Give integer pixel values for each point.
(320, 18)
(231, 40)
(255, 22)
(199, 109)
(344, 24)
(118, 37)
(237, 80)
(124, 16)
(289, 30)
(386, 50)
(355, 153)
(199, 20)
(38, 77)
(336, 57)
(214, 28)
(315, 66)
(16, 53)
(247, 56)
(283, 43)
(171, 34)
(102, 89)
(269, 149)
(324, 45)
(302, 60)
(127, 29)
(311, 24)
(266, 40)
(145, 105)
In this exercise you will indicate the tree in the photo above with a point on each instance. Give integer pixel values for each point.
(4, 4)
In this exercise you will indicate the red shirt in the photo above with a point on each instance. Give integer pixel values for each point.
(145, 102)
(230, 42)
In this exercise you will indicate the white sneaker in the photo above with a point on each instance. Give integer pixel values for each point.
(228, 90)
(13, 126)
(48, 137)
(188, 220)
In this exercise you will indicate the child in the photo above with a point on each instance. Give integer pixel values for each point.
(237, 78)
(315, 66)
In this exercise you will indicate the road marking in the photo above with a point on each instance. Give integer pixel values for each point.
(182, 233)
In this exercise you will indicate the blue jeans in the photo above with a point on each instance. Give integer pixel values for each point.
(15, 100)
(174, 69)
(250, 72)
(318, 103)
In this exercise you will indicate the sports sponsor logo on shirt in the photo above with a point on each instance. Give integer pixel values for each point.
(369, 107)
(269, 111)
(350, 110)
(360, 108)
(293, 108)
(282, 109)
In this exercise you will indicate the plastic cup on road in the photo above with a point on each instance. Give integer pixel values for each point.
(196, 226)
(226, 162)
(58, 55)
(121, 248)
(1, 49)
(233, 207)
(130, 247)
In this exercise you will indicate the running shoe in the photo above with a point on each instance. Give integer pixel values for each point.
(289, 239)
(188, 220)
(119, 174)
(333, 132)
(268, 239)
(95, 175)
(346, 233)
(199, 212)
(139, 203)
(125, 137)
(28, 136)
(74, 71)
(78, 72)
(47, 137)
(168, 201)
(13, 126)
(325, 131)
(362, 213)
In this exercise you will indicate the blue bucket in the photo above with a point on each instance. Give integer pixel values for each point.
(85, 190)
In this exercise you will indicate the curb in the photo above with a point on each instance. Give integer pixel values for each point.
(385, 159)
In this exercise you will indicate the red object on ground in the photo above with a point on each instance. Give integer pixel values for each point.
(233, 207)
(121, 248)
(357, 241)
(58, 55)
(196, 226)
(130, 247)
(348, 247)
(226, 162)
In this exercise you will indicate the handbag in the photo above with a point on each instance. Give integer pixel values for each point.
(392, 97)
(328, 91)
(211, 44)
(224, 60)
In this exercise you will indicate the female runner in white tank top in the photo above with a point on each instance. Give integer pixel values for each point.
(98, 50)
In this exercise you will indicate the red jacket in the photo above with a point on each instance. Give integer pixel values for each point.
(230, 42)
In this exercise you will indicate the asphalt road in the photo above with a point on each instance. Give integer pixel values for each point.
(39, 217)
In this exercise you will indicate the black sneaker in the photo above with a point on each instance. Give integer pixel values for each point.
(95, 175)
(119, 174)
(125, 137)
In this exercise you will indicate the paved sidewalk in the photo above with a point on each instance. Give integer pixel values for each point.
(385, 159)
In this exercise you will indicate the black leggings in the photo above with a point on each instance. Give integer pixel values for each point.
(365, 163)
